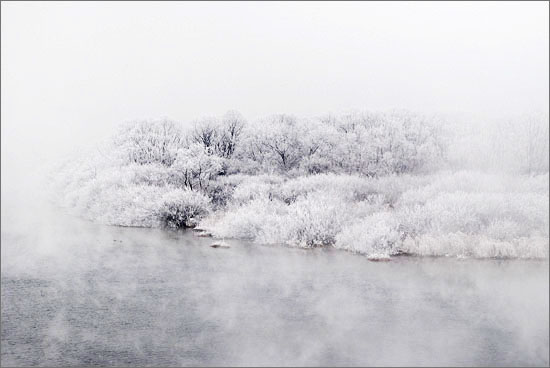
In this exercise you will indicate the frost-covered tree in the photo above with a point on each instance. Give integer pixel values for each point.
(367, 144)
(278, 143)
(530, 134)
(320, 142)
(220, 135)
(374, 144)
(149, 142)
(515, 145)
(196, 166)
(229, 133)
(205, 132)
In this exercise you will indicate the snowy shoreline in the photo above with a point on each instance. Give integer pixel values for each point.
(373, 184)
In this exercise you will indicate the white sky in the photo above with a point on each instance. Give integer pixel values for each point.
(72, 71)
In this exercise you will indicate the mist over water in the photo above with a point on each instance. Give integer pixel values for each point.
(75, 292)
(78, 293)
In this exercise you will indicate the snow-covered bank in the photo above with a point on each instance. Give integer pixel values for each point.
(375, 184)
(479, 215)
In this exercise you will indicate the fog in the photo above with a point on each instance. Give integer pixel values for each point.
(72, 71)
(114, 296)
(78, 292)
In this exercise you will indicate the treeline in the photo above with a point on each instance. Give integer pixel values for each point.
(367, 144)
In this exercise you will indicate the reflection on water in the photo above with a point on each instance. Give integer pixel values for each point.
(75, 293)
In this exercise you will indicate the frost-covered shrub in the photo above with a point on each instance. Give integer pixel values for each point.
(315, 164)
(349, 188)
(502, 229)
(478, 246)
(476, 224)
(383, 216)
(260, 219)
(220, 193)
(153, 174)
(105, 201)
(344, 187)
(131, 205)
(181, 208)
(255, 187)
(376, 235)
(475, 212)
(461, 181)
(315, 220)
(448, 212)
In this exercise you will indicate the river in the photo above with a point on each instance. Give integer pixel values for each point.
(78, 293)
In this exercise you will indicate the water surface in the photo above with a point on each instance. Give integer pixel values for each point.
(77, 293)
